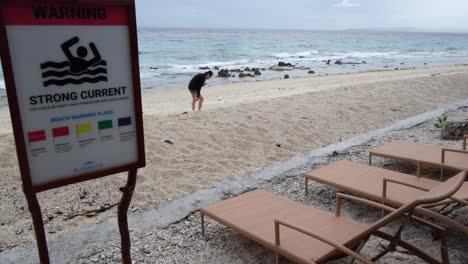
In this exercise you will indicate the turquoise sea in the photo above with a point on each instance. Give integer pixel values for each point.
(169, 57)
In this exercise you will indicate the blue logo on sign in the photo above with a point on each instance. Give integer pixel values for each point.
(88, 166)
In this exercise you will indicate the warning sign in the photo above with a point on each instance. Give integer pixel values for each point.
(75, 80)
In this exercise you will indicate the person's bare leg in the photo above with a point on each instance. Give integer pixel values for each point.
(194, 101)
(200, 102)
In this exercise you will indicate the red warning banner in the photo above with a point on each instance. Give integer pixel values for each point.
(47, 14)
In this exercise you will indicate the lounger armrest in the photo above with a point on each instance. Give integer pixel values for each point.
(338, 247)
(341, 196)
(386, 181)
(465, 137)
(451, 150)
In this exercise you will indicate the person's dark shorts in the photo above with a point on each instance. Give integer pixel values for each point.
(193, 91)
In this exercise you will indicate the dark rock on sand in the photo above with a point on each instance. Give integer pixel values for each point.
(204, 68)
(242, 75)
(286, 76)
(168, 142)
(235, 70)
(364, 62)
(257, 72)
(301, 57)
(224, 73)
(454, 130)
(311, 72)
(338, 62)
(153, 68)
(328, 62)
(247, 69)
(216, 68)
(285, 64)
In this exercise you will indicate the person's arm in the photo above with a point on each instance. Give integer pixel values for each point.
(66, 47)
(97, 57)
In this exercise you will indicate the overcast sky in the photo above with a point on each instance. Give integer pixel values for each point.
(433, 15)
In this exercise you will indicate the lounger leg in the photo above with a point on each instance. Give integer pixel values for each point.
(277, 257)
(441, 174)
(202, 224)
(306, 186)
(370, 159)
(418, 169)
(443, 248)
(359, 248)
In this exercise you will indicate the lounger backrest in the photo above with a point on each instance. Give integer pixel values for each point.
(443, 190)
(436, 194)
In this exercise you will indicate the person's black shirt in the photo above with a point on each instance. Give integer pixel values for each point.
(197, 83)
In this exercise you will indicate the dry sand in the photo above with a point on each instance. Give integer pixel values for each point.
(244, 127)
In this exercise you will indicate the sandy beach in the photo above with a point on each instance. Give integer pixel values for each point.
(243, 127)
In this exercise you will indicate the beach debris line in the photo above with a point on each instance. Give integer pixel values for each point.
(92, 213)
(286, 76)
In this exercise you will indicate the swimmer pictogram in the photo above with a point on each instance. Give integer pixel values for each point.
(77, 69)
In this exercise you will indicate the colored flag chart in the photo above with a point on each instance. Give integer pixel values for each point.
(81, 135)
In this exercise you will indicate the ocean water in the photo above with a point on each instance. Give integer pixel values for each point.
(170, 57)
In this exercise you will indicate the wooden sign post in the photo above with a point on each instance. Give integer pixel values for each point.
(72, 77)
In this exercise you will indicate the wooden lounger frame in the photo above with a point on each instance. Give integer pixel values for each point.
(419, 164)
(423, 210)
(437, 194)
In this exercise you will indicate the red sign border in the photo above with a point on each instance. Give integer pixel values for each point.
(18, 131)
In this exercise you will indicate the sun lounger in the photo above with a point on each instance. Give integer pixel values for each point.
(423, 154)
(385, 186)
(307, 235)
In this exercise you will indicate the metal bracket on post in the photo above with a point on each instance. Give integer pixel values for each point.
(38, 224)
(127, 193)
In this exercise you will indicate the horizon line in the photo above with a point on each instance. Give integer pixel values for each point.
(388, 29)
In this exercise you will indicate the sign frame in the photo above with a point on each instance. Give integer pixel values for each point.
(31, 190)
(15, 108)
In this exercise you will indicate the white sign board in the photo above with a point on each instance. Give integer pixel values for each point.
(72, 70)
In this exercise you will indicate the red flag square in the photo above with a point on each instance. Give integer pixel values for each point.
(60, 132)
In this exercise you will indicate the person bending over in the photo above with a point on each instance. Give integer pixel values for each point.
(195, 85)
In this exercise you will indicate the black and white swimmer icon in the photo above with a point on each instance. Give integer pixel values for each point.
(78, 69)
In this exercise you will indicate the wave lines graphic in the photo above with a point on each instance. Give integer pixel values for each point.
(75, 81)
(56, 65)
(67, 73)
(58, 73)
